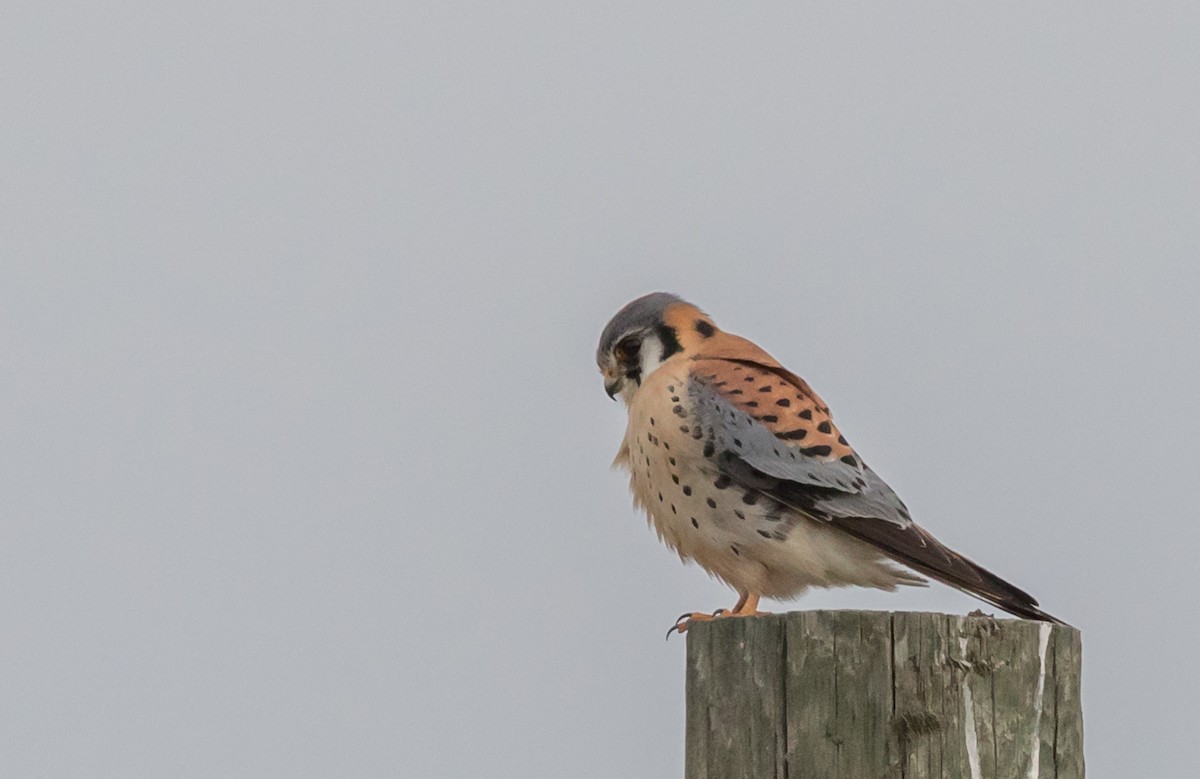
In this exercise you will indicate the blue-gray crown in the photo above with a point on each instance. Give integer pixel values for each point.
(640, 314)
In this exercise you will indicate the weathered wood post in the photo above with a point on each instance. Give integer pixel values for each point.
(866, 695)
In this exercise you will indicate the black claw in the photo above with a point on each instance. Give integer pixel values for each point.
(684, 617)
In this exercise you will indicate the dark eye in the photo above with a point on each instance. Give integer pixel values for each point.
(628, 348)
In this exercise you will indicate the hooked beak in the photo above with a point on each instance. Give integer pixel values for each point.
(612, 388)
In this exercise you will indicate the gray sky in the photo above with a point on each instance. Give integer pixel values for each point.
(304, 458)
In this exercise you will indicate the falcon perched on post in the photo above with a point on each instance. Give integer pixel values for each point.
(740, 467)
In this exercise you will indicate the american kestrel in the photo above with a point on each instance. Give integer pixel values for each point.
(740, 467)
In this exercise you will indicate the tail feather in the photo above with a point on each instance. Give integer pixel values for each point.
(917, 549)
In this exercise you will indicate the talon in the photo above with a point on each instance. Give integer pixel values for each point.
(747, 606)
(680, 626)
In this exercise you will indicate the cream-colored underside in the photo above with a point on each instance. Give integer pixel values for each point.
(811, 554)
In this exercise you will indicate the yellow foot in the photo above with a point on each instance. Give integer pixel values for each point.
(747, 606)
(685, 620)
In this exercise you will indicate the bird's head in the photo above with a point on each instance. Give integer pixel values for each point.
(643, 335)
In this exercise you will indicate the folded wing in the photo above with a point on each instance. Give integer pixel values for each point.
(765, 428)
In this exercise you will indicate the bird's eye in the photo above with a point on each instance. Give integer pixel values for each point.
(627, 348)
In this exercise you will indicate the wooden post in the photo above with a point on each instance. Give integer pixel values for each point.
(867, 695)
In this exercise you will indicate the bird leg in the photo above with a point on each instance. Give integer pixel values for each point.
(747, 606)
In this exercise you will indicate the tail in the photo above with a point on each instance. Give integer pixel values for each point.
(916, 548)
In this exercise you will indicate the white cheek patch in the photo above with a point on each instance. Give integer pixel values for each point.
(650, 356)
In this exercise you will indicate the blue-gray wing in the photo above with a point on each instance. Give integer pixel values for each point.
(769, 434)
(767, 430)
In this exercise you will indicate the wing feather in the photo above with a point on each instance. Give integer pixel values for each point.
(769, 431)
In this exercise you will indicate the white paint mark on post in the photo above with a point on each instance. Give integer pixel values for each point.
(1039, 696)
(969, 717)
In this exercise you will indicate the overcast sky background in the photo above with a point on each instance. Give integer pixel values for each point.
(304, 459)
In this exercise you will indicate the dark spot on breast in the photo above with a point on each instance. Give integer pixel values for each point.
(850, 460)
(735, 550)
(666, 446)
(825, 427)
(765, 388)
(709, 449)
(806, 413)
(764, 534)
(704, 328)
(739, 514)
(748, 378)
(671, 460)
(695, 524)
(698, 433)
(750, 498)
(784, 402)
(816, 451)
(722, 481)
(687, 490)
(712, 504)
(751, 404)
(737, 442)
(660, 499)
(842, 440)
(679, 412)
(684, 429)
(735, 392)
(652, 421)
(769, 418)
(794, 435)
(673, 511)
(670, 388)
(674, 398)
